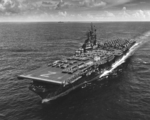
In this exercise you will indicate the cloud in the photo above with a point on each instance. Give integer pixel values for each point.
(49, 6)
(92, 3)
(6, 4)
(141, 14)
(64, 14)
(63, 5)
(76, 9)
(47, 2)
(9, 6)
(2, 7)
(109, 14)
(117, 2)
(124, 8)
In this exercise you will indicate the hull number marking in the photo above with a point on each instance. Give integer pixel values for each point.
(48, 74)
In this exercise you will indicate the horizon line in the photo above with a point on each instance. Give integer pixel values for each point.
(68, 21)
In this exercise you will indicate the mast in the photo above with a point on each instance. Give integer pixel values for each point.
(91, 26)
(93, 35)
(91, 38)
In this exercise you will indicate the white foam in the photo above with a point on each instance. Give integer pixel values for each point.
(120, 61)
(45, 100)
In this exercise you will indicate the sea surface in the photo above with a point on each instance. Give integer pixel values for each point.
(27, 46)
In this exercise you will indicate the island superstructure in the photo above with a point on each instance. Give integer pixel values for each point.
(84, 66)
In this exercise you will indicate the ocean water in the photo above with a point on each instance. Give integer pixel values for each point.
(27, 46)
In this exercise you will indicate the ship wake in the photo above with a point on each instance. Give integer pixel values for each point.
(140, 41)
(119, 62)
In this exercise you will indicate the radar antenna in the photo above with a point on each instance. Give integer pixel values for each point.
(91, 38)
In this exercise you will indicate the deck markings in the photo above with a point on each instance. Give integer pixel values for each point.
(48, 74)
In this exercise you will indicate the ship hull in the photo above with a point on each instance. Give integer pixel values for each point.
(50, 92)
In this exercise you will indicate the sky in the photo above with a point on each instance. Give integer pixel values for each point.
(74, 10)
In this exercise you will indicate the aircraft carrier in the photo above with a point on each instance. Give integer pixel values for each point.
(92, 60)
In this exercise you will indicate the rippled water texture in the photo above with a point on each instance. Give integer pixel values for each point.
(27, 46)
